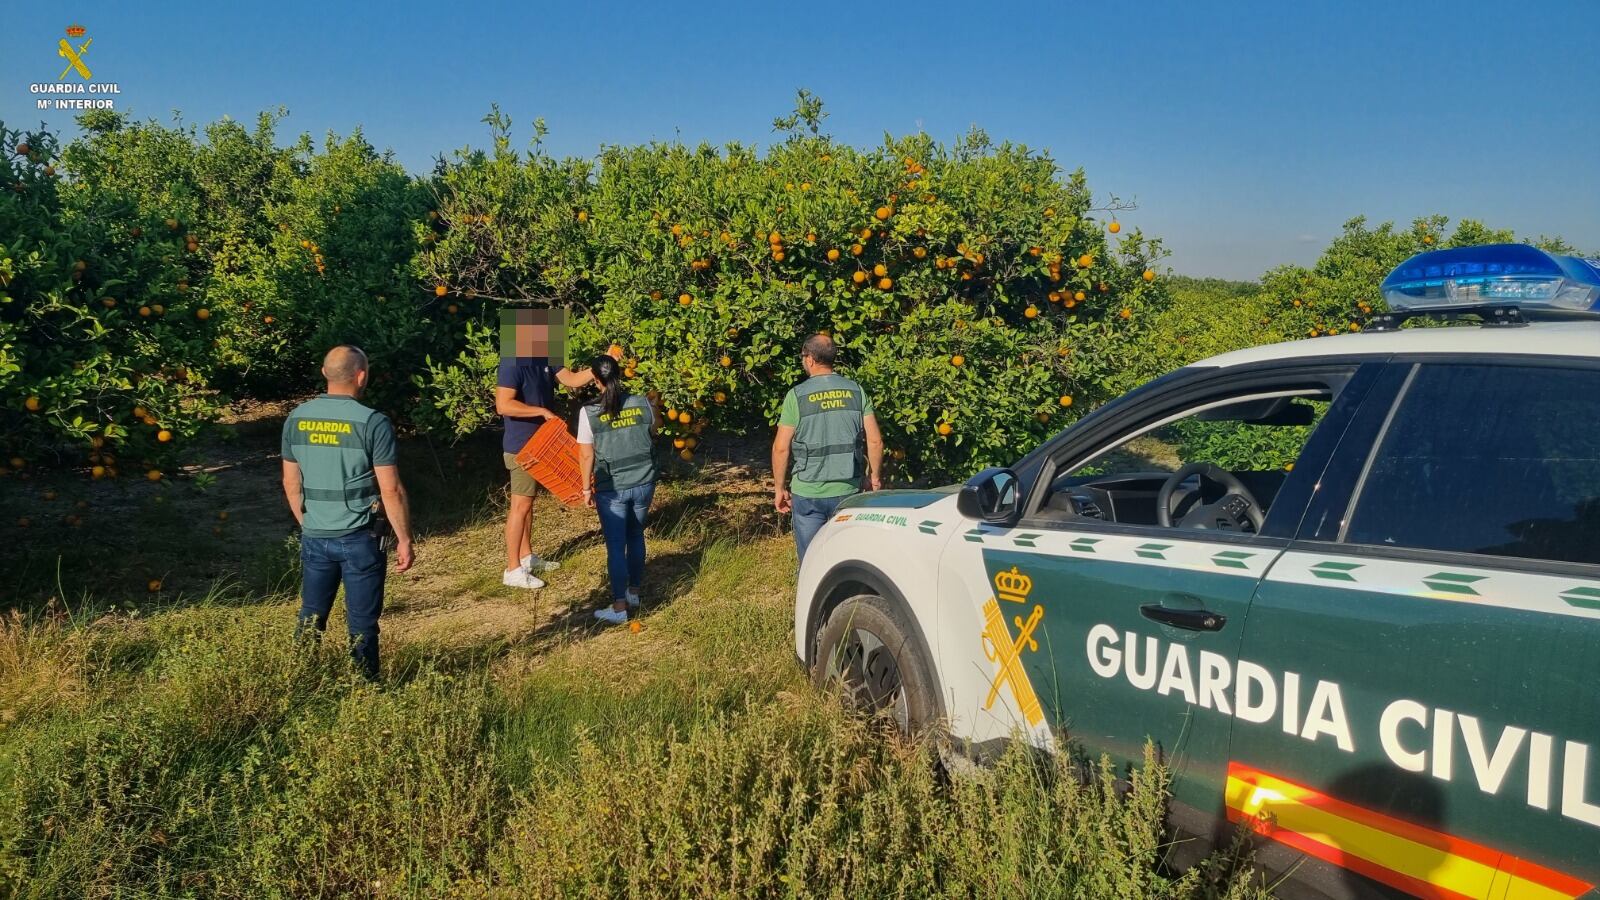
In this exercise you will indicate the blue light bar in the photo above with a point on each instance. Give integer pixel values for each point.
(1494, 275)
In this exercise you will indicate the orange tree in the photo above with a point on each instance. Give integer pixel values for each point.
(104, 352)
(974, 292)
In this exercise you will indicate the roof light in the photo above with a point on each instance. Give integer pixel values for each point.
(1494, 275)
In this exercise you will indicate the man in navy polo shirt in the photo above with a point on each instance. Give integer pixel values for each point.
(531, 340)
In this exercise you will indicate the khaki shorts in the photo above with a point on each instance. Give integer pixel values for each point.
(522, 484)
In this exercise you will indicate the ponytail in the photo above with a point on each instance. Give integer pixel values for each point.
(609, 376)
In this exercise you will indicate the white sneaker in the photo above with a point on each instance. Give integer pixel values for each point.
(633, 600)
(520, 578)
(611, 616)
(533, 563)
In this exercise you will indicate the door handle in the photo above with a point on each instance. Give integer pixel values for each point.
(1187, 619)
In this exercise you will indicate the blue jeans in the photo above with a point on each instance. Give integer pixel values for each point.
(623, 515)
(808, 516)
(358, 561)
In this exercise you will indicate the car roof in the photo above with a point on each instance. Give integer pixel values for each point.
(1539, 338)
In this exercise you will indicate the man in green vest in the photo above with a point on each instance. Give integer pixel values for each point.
(342, 480)
(824, 423)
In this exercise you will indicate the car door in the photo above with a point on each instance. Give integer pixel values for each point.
(1108, 634)
(1432, 635)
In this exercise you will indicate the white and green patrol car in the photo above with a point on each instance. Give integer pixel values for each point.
(1373, 637)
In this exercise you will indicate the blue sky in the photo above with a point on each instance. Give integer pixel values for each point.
(1246, 132)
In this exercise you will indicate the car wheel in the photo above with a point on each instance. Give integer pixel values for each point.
(868, 652)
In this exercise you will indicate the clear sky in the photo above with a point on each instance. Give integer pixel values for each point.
(1246, 132)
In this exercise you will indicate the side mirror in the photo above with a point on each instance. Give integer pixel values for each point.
(990, 495)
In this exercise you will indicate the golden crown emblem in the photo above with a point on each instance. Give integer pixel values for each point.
(75, 31)
(1013, 585)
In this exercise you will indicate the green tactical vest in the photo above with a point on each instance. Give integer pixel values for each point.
(329, 437)
(623, 453)
(828, 441)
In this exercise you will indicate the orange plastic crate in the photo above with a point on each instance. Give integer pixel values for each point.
(551, 457)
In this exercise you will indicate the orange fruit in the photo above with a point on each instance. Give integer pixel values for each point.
(172, 224)
(885, 284)
(1044, 417)
(686, 454)
(97, 472)
(944, 428)
(1149, 275)
(1085, 261)
(692, 442)
(451, 309)
(164, 436)
(858, 276)
(583, 215)
(108, 302)
(153, 475)
(440, 290)
(158, 309)
(629, 372)
(1127, 313)
(1049, 212)
(725, 361)
(958, 360)
(1054, 297)
(202, 314)
(677, 230)
(679, 443)
(672, 414)
(919, 252)
(833, 255)
(144, 311)
(154, 585)
(866, 234)
(1031, 312)
(719, 397)
(685, 299)
(1427, 239)
(32, 404)
(856, 249)
(633, 626)
(880, 270)
(685, 418)
(183, 287)
(140, 412)
(23, 149)
(883, 213)
(1066, 399)
(655, 295)
(777, 256)
(97, 442)
(1114, 227)
(1078, 296)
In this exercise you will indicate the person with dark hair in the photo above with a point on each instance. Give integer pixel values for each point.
(617, 468)
(828, 424)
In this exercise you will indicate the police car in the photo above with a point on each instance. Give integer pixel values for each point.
(1380, 652)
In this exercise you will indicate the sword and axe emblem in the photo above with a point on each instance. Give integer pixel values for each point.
(74, 55)
(1000, 648)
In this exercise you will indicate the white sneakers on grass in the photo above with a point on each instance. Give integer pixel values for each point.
(611, 616)
(521, 578)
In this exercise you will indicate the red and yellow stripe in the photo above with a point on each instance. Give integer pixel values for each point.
(1414, 859)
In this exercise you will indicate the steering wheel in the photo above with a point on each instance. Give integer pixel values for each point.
(1236, 508)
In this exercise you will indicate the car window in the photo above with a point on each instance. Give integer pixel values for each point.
(1254, 438)
(1230, 443)
(1497, 460)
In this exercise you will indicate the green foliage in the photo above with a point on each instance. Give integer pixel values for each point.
(709, 266)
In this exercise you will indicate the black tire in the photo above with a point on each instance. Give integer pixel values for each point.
(868, 651)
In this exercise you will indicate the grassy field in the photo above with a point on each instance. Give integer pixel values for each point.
(179, 743)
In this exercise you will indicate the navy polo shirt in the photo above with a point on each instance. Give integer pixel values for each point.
(534, 380)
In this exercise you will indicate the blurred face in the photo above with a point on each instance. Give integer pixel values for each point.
(530, 333)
